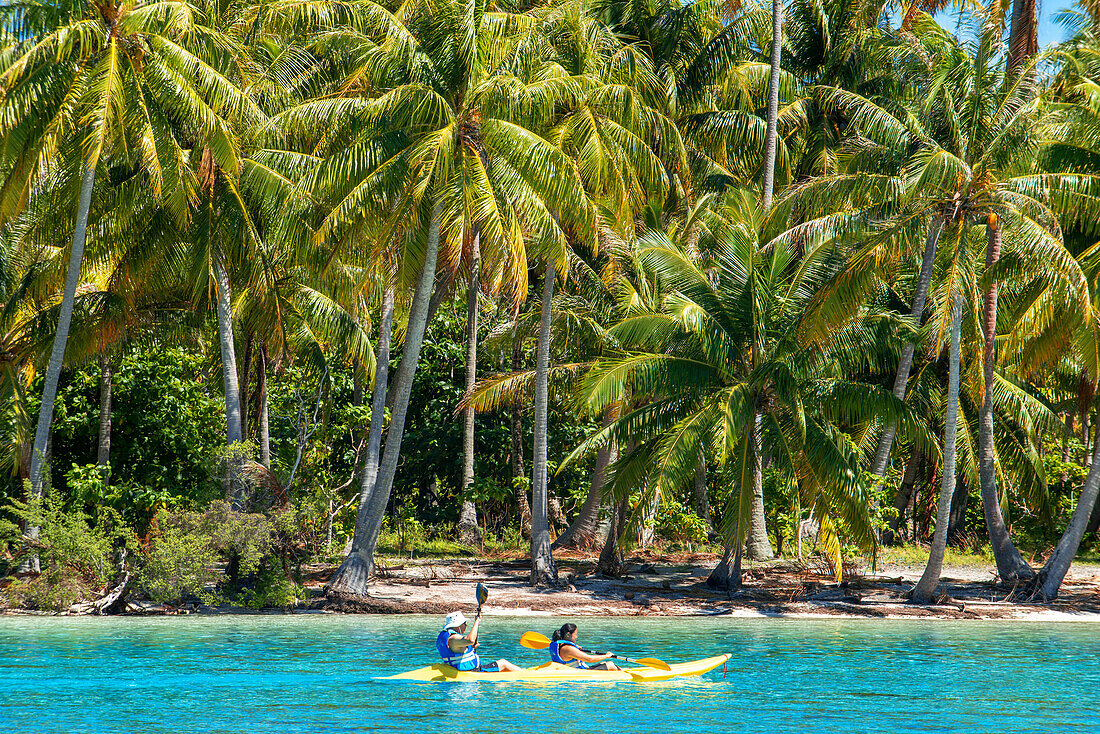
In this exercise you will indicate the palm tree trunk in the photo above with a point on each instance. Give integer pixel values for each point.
(612, 561)
(106, 385)
(727, 574)
(246, 371)
(57, 353)
(542, 559)
(354, 572)
(758, 545)
(926, 587)
(233, 432)
(265, 426)
(359, 568)
(378, 397)
(771, 136)
(702, 504)
(1011, 566)
(904, 498)
(583, 533)
(468, 531)
(516, 453)
(1023, 40)
(905, 363)
(1052, 574)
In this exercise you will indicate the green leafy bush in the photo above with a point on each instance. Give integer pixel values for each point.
(166, 427)
(273, 590)
(677, 523)
(186, 546)
(76, 556)
(241, 537)
(181, 560)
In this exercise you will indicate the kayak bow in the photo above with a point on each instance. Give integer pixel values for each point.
(558, 672)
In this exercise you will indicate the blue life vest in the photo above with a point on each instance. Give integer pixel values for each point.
(555, 654)
(465, 660)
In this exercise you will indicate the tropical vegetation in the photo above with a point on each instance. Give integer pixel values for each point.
(307, 279)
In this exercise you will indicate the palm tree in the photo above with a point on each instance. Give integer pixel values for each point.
(446, 149)
(543, 570)
(1023, 36)
(130, 295)
(974, 145)
(1059, 334)
(580, 317)
(120, 72)
(719, 366)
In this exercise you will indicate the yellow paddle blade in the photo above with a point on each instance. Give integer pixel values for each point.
(654, 663)
(534, 640)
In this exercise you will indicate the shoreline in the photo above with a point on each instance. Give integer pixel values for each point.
(662, 587)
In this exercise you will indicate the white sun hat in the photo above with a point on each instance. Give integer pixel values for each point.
(454, 620)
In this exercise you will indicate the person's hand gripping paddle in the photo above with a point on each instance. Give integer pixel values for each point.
(535, 641)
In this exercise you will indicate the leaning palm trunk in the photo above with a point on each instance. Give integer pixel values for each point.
(468, 531)
(926, 587)
(1051, 576)
(1011, 567)
(542, 559)
(905, 363)
(771, 136)
(106, 384)
(57, 354)
(378, 399)
(583, 533)
(354, 572)
(233, 427)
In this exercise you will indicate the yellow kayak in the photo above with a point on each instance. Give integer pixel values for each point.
(558, 672)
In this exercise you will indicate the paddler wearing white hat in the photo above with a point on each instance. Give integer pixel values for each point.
(458, 649)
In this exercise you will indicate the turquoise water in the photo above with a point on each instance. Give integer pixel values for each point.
(313, 673)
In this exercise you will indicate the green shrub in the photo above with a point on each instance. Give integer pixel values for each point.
(76, 556)
(677, 523)
(181, 559)
(187, 545)
(273, 590)
(238, 535)
(166, 426)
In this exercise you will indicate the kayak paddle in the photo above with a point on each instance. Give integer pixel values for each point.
(535, 641)
(482, 596)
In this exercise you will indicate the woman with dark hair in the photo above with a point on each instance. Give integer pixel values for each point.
(564, 650)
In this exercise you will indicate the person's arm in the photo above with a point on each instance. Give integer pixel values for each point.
(568, 652)
(458, 643)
